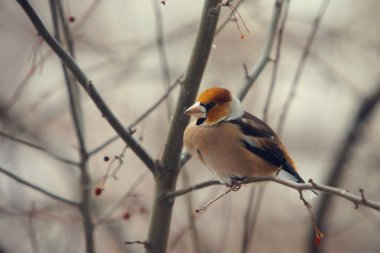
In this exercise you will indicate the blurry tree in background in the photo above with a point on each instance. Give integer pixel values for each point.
(92, 95)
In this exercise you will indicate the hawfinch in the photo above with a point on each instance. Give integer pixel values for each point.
(232, 143)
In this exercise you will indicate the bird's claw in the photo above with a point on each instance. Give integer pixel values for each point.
(234, 185)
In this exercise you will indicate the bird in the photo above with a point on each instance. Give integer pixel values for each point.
(234, 144)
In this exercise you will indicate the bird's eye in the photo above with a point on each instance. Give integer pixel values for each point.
(209, 106)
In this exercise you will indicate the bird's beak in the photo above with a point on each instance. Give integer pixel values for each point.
(197, 111)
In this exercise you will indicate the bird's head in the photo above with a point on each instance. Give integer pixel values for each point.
(215, 105)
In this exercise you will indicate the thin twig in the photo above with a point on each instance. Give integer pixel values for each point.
(204, 207)
(276, 59)
(252, 215)
(228, 18)
(37, 147)
(247, 221)
(301, 64)
(21, 87)
(39, 189)
(299, 187)
(195, 187)
(162, 52)
(190, 211)
(256, 210)
(76, 112)
(66, 29)
(265, 53)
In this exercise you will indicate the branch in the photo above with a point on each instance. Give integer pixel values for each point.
(276, 60)
(191, 82)
(166, 181)
(76, 112)
(265, 53)
(247, 224)
(301, 65)
(37, 147)
(139, 119)
(39, 189)
(175, 194)
(228, 18)
(357, 200)
(162, 52)
(88, 87)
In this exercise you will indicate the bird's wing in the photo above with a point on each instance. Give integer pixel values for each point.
(260, 139)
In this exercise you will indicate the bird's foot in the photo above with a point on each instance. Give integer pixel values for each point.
(234, 184)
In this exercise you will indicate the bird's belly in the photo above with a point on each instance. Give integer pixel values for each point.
(222, 151)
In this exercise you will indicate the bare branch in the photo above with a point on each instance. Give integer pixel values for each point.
(21, 87)
(301, 65)
(247, 222)
(357, 200)
(203, 208)
(78, 122)
(88, 87)
(252, 215)
(190, 211)
(139, 119)
(162, 52)
(276, 60)
(39, 189)
(161, 215)
(195, 187)
(228, 18)
(37, 147)
(265, 53)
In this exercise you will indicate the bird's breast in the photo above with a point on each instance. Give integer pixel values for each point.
(220, 148)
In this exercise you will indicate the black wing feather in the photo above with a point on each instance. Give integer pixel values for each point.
(255, 127)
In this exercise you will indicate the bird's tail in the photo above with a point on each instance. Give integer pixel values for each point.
(289, 173)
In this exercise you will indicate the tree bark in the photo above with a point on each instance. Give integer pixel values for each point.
(168, 167)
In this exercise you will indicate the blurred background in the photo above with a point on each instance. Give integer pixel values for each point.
(116, 46)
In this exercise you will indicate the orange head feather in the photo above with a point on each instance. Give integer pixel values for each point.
(221, 98)
(216, 95)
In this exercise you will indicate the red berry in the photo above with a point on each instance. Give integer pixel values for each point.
(98, 191)
(126, 216)
(71, 19)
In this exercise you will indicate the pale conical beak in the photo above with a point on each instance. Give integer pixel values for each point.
(197, 111)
